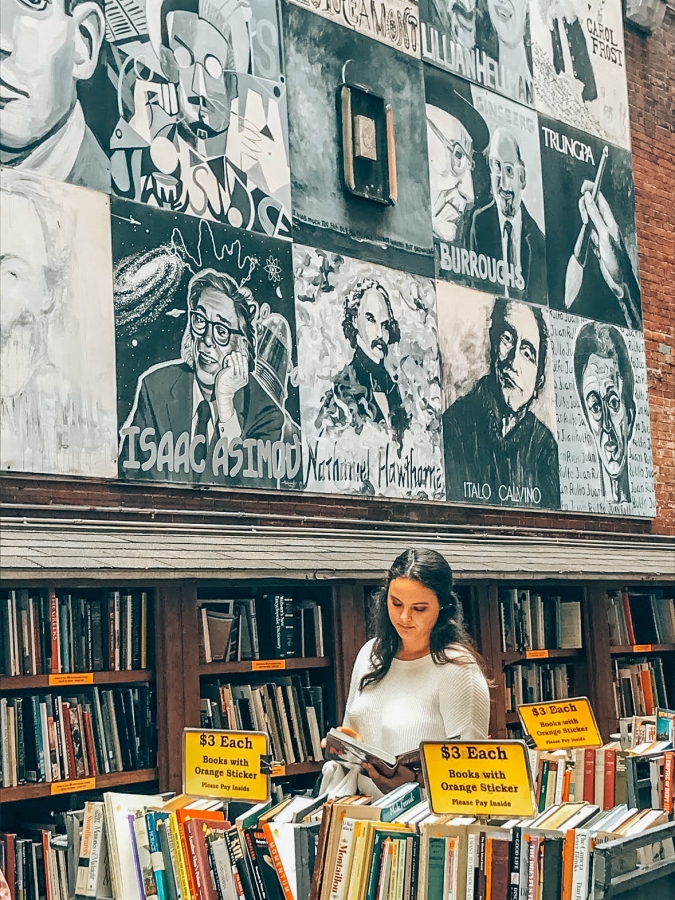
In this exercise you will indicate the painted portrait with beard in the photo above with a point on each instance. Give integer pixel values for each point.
(485, 41)
(57, 363)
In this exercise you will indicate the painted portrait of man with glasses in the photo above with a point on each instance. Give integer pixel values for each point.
(211, 392)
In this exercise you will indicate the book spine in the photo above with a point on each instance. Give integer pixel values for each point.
(668, 776)
(178, 856)
(514, 868)
(589, 775)
(253, 861)
(170, 867)
(55, 666)
(243, 882)
(628, 617)
(278, 865)
(156, 856)
(198, 860)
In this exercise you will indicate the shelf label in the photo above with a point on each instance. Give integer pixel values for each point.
(70, 787)
(560, 724)
(232, 765)
(537, 654)
(278, 771)
(267, 665)
(69, 679)
(643, 648)
(478, 778)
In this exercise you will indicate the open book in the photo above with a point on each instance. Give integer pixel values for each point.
(347, 750)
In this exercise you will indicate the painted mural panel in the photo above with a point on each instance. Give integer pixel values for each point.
(206, 371)
(369, 378)
(486, 189)
(385, 217)
(603, 418)
(580, 66)
(485, 41)
(57, 350)
(201, 99)
(50, 52)
(499, 424)
(393, 22)
(590, 225)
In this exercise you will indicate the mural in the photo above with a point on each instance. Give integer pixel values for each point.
(579, 65)
(201, 99)
(57, 356)
(49, 50)
(592, 252)
(486, 191)
(321, 58)
(368, 376)
(384, 248)
(394, 22)
(603, 418)
(485, 42)
(499, 425)
(206, 352)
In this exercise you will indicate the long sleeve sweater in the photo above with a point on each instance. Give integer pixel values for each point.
(418, 700)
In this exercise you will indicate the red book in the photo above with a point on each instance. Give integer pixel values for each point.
(646, 682)
(668, 776)
(10, 863)
(54, 627)
(89, 742)
(46, 837)
(628, 617)
(198, 856)
(182, 817)
(610, 773)
(589, 775)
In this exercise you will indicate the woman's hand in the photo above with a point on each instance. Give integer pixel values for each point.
(386, 783)
(345, 730)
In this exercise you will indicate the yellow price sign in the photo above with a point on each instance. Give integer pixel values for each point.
(233, 765)
(561, 724)
(478, 778)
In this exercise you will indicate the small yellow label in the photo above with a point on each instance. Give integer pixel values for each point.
(70, 787)
(278, 771)
(537, 654)
(561, 724)
(267, 665)
(225, 764)
(643, 648)
(68, 679)
(478, 778)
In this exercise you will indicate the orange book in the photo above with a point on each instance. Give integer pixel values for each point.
(568, 863)
(668, 776)
(646, 682)
(182, 815)
(628, 617)
(567, 783)
(276, 859)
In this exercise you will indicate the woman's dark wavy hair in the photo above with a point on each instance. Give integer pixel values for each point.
(432, 571)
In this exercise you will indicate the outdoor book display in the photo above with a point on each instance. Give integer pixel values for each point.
(98, 683)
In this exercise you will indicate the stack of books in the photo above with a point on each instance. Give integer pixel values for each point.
(54, 737)
(640, 618)
(536, 683)
(290, 712)
(272, 626)
(530, 621)
(639, 686)
(45, 633)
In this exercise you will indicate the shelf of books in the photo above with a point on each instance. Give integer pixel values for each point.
(77, 691)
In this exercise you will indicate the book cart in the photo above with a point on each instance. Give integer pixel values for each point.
(176, 678)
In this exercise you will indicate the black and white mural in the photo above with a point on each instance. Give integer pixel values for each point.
(57, 354)
(592, 253)
(384, 214)
(484, 41)
(580, 67)
(603, 418)
(206, 352)
(369, 381)
(486, 190)
(499, 424)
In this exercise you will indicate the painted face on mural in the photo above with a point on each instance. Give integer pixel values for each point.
(516, 357)
(450, 172)
(24, 264)
(608, 419)
(200, 61)
(372, 325)
(45, 48)
(508, 19)
(507, 172)
(216, 333)
(462, 17)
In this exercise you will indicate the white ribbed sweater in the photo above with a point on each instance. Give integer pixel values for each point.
(416, 701)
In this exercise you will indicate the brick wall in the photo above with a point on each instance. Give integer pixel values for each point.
(650, 64)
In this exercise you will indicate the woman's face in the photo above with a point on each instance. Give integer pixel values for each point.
(413, 610)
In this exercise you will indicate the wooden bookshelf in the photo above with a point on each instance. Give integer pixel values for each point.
(98, 783)
(631, 649)
(265, 665)
(74, 680)
(511, 657)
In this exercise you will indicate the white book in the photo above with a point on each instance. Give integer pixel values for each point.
(118, 808)
(224, 876)
(96, 853)
(385, 871)
(205, 633)
(471, 862)
(343, 860)
(283, 834)
(82, 877)
(44, 725)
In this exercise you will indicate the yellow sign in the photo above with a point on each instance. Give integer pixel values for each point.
(71, 787)
(67, 679)
(233, 765)
(561, 724)
(478, 778)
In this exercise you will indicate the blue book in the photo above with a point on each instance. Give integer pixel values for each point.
(158, 868)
